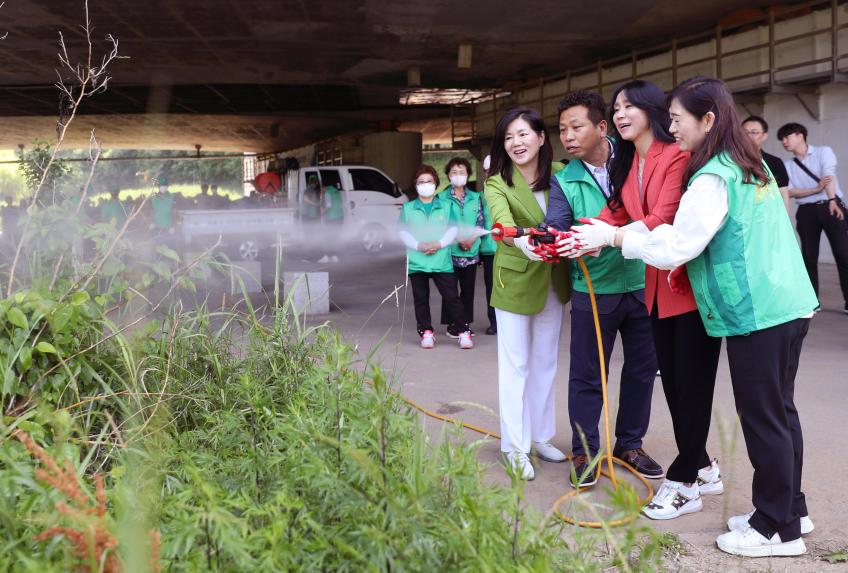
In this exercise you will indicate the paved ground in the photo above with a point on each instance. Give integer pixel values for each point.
(453, 381)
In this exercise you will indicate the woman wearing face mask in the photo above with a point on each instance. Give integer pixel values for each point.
(748, 279)
(472, 216)
(428, 230)
(528, 295)
(645, 173)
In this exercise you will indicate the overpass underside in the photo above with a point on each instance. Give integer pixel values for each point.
(270, 75)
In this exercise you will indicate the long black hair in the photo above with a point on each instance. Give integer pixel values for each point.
(649, 98)
(701, 95)
(501, 163)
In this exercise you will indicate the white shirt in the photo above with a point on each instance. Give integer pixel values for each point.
(702, 212)
(822, 162)
(601, 175)
(539, 196)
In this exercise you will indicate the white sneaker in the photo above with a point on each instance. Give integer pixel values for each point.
(324, 259)
(709, 480)
(334, 259)
(428, 339)
(465, 341)
(740, 522)
(521, 462)
(548, 452)
(750, 543)
(673, 500)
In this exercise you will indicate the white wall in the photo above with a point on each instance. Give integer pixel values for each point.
(830, 129)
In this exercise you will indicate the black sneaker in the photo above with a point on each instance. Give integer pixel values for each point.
(640, 461)
(582, 476)
(492, 330)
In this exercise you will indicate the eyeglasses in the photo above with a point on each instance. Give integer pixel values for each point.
(754, 132)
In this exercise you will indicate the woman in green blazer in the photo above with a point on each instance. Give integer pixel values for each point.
(528, 295)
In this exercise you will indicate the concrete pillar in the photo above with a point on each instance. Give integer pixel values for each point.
(396, 153)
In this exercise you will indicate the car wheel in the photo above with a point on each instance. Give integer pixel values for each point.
(248, 250)
(372, 239)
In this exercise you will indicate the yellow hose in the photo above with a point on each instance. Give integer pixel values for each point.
(608, 457)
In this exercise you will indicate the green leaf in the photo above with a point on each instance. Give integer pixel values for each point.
(17, 317)
(80, 298)
(162, 269)
(168, 252)
(61, 317)
(10, 384)
(46, 348)
(32, 428)
(25, 358)
(837, 557)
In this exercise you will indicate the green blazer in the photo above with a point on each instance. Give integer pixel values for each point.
(521, 285)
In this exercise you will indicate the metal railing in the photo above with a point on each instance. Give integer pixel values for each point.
(488, 111)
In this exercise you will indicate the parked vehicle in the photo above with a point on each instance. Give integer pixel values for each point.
(356, 203)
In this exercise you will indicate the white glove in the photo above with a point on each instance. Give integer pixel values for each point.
(595, 235)
(566, 247)
(523, 243)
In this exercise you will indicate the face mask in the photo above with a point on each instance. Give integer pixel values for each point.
(459, 180)
(426, 189)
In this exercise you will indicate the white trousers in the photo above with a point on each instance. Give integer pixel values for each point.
(527, 362)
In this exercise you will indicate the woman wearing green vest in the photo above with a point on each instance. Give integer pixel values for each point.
(470, 214)
(427, 229)
(746, 272)
(529, 295)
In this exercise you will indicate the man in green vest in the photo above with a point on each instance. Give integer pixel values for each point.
(581, 191)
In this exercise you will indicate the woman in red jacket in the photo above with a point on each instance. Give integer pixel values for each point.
(645, 175)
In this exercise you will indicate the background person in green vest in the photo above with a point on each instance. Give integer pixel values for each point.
(333, 216)
(162, 205)
(529, 295)
(578, 191)
(428, 230)
(471, 215)
(747, 275)
(112, 209)
(488, 248)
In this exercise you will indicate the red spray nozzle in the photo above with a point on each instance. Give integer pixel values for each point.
(499, 232)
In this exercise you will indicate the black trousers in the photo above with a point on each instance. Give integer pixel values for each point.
(763, 365)
(812, 219)
(489, 279)
(446, 284)
(466, 279)
(618, 313)
(688, 361)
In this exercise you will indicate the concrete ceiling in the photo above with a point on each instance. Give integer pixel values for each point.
(312, 69)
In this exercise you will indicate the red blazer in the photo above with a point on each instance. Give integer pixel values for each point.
(661, 179)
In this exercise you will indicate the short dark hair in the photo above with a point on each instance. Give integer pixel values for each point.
(759, 120)
(791, 128)
(425, 169)
(458, 161)
(590, 100)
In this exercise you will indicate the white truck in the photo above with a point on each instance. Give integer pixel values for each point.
(370, 204)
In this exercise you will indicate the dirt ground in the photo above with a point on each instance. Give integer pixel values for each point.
(370, 304)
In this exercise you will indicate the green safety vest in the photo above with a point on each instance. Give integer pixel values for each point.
(427, 227)
(466, 217)
(751, 275)
(162, 211)
(488, 246)
(110, 210)
(335, 207)
(610, 272)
